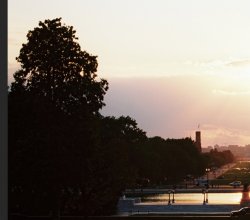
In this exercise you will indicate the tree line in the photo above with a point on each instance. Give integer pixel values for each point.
(64, 156)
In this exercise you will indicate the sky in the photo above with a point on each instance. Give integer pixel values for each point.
(172, 65)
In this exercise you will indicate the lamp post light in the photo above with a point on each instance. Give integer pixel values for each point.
(204, 199)
(169, 195)
(169, 201)
(207, 196)
(207, 171)
(173, 201)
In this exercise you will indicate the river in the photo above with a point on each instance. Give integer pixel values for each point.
(192, 198)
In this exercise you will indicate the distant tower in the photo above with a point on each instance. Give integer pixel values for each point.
(198, 140)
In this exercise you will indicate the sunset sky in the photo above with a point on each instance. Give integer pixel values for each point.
(172, 64)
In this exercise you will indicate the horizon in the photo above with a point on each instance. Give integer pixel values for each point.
(171, 65)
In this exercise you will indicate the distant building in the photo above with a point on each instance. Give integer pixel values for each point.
(207, 149)
(240, 152)
(198, 140)
(220, 148)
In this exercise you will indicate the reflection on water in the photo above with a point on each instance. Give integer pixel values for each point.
(194, 198)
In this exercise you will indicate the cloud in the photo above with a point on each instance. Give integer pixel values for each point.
(231, 93)
(219, 63)
(239, 63)
(222, 135)
(206, 63)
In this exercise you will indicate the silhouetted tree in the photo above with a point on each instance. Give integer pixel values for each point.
(167, 161)
(54, 66)
(53, 117)
(124, 130)
(217, 159)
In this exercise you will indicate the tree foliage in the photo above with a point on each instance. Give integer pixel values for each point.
(54, 106)
(216, 158)
(54, 66)
(168, 161)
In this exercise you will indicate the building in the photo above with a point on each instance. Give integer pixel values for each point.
(198, 140)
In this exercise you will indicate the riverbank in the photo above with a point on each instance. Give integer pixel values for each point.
(132, 206)
(189, 190)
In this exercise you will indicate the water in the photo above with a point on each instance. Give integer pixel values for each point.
(193, 198)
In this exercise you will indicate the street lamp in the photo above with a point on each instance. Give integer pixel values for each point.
(204, 199)
(169, 201)
(207, 171)
(169, 194)
(173, 201)
(207, 196)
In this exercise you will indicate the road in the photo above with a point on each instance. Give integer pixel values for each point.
(220, 171)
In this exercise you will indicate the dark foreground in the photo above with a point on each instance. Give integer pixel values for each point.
(139, 217)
